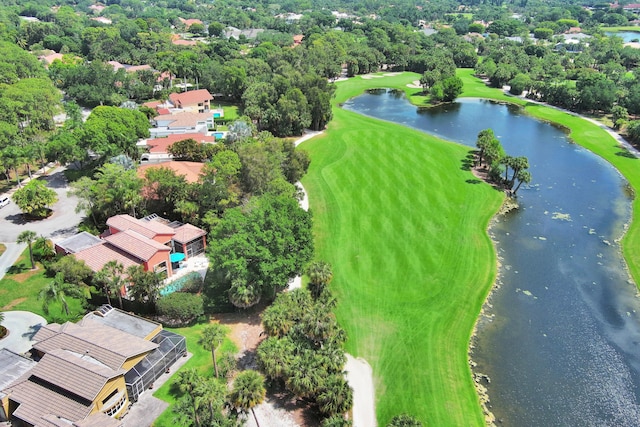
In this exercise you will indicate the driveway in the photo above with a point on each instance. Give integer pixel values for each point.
(22, 326)
(63, 223)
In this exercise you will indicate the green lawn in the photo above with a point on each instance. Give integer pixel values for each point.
(404, 227)
(623, 28)
(405, 230)
(201, 360)
(20, 287)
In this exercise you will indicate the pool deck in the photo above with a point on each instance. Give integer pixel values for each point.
(199, 264)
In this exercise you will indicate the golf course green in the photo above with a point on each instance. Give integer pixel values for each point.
(405, 227)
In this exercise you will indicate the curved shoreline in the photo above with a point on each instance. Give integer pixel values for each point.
(578, 135)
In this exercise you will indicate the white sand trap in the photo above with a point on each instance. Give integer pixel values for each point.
(415, 85)
(360, 378)
(370, 76)
(392, 74)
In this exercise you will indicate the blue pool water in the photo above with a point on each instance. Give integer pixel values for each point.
(178, 284)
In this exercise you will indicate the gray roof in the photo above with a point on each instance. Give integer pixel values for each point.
(12, 367)
(125, 322)
(79, 242)
(107, 345)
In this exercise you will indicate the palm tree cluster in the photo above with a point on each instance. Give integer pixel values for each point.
(303, 350)
(491, 154)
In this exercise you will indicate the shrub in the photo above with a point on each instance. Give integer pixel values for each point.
(180, 308)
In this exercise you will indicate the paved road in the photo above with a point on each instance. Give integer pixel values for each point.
(62, 223)
(22, 326)
(10, 256)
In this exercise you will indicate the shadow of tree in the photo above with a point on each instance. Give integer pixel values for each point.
(19, 268)
(474, 181)
(627, 154)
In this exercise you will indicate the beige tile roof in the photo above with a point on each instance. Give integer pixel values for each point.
(187, 232)
(184, 119)
(75, 373)
(191, 97)
(136, 244)
(97, 256)
(37, 401)
(148, 229)
(190, 170)
(107, 345)
(98, 419)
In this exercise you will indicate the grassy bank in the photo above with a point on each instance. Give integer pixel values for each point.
(404, 227)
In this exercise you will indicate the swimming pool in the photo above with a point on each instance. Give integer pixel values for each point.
(178, 284)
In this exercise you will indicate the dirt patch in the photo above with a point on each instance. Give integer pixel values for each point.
(22, 277)
(280, 408)
(13, 304)
(3, 332)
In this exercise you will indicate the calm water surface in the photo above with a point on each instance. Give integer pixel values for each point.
(626, 36)
(561, 339)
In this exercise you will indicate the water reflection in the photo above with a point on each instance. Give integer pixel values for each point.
(561, 342)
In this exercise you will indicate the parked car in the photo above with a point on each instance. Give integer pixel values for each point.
(4, 202)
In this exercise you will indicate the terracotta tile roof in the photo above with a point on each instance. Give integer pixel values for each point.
(192, 97)
(148, 229)
(134, 68)
(184, 119)
(97, 256)
(136, 244)
(190, 170)
(153, 104)
(115, 64)
(161, 145)
(190, 22)
(107, 345)
(187, 232)
(163, 111)
(36, 401)
(184, 42)
(52, 57)
(79, 376)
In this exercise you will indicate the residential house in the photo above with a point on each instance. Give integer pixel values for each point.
(148, 242)
(158, 148)
(189, 170)
(193, 100)
(189, 22)
(181, 123)
(87, 373)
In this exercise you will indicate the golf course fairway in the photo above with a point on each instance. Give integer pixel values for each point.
(405, 229)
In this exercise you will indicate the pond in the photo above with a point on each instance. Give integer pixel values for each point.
(560, 341)
(626, 36)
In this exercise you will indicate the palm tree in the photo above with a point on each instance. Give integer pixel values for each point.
(1, 317)
(320, 276)
(28, 237)
(145, 285)
(336, 396)
(188, 381)
(248, 391)
(211, 338)
(111, 277)
(54, 291)
(523, 176)
(210, 393)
